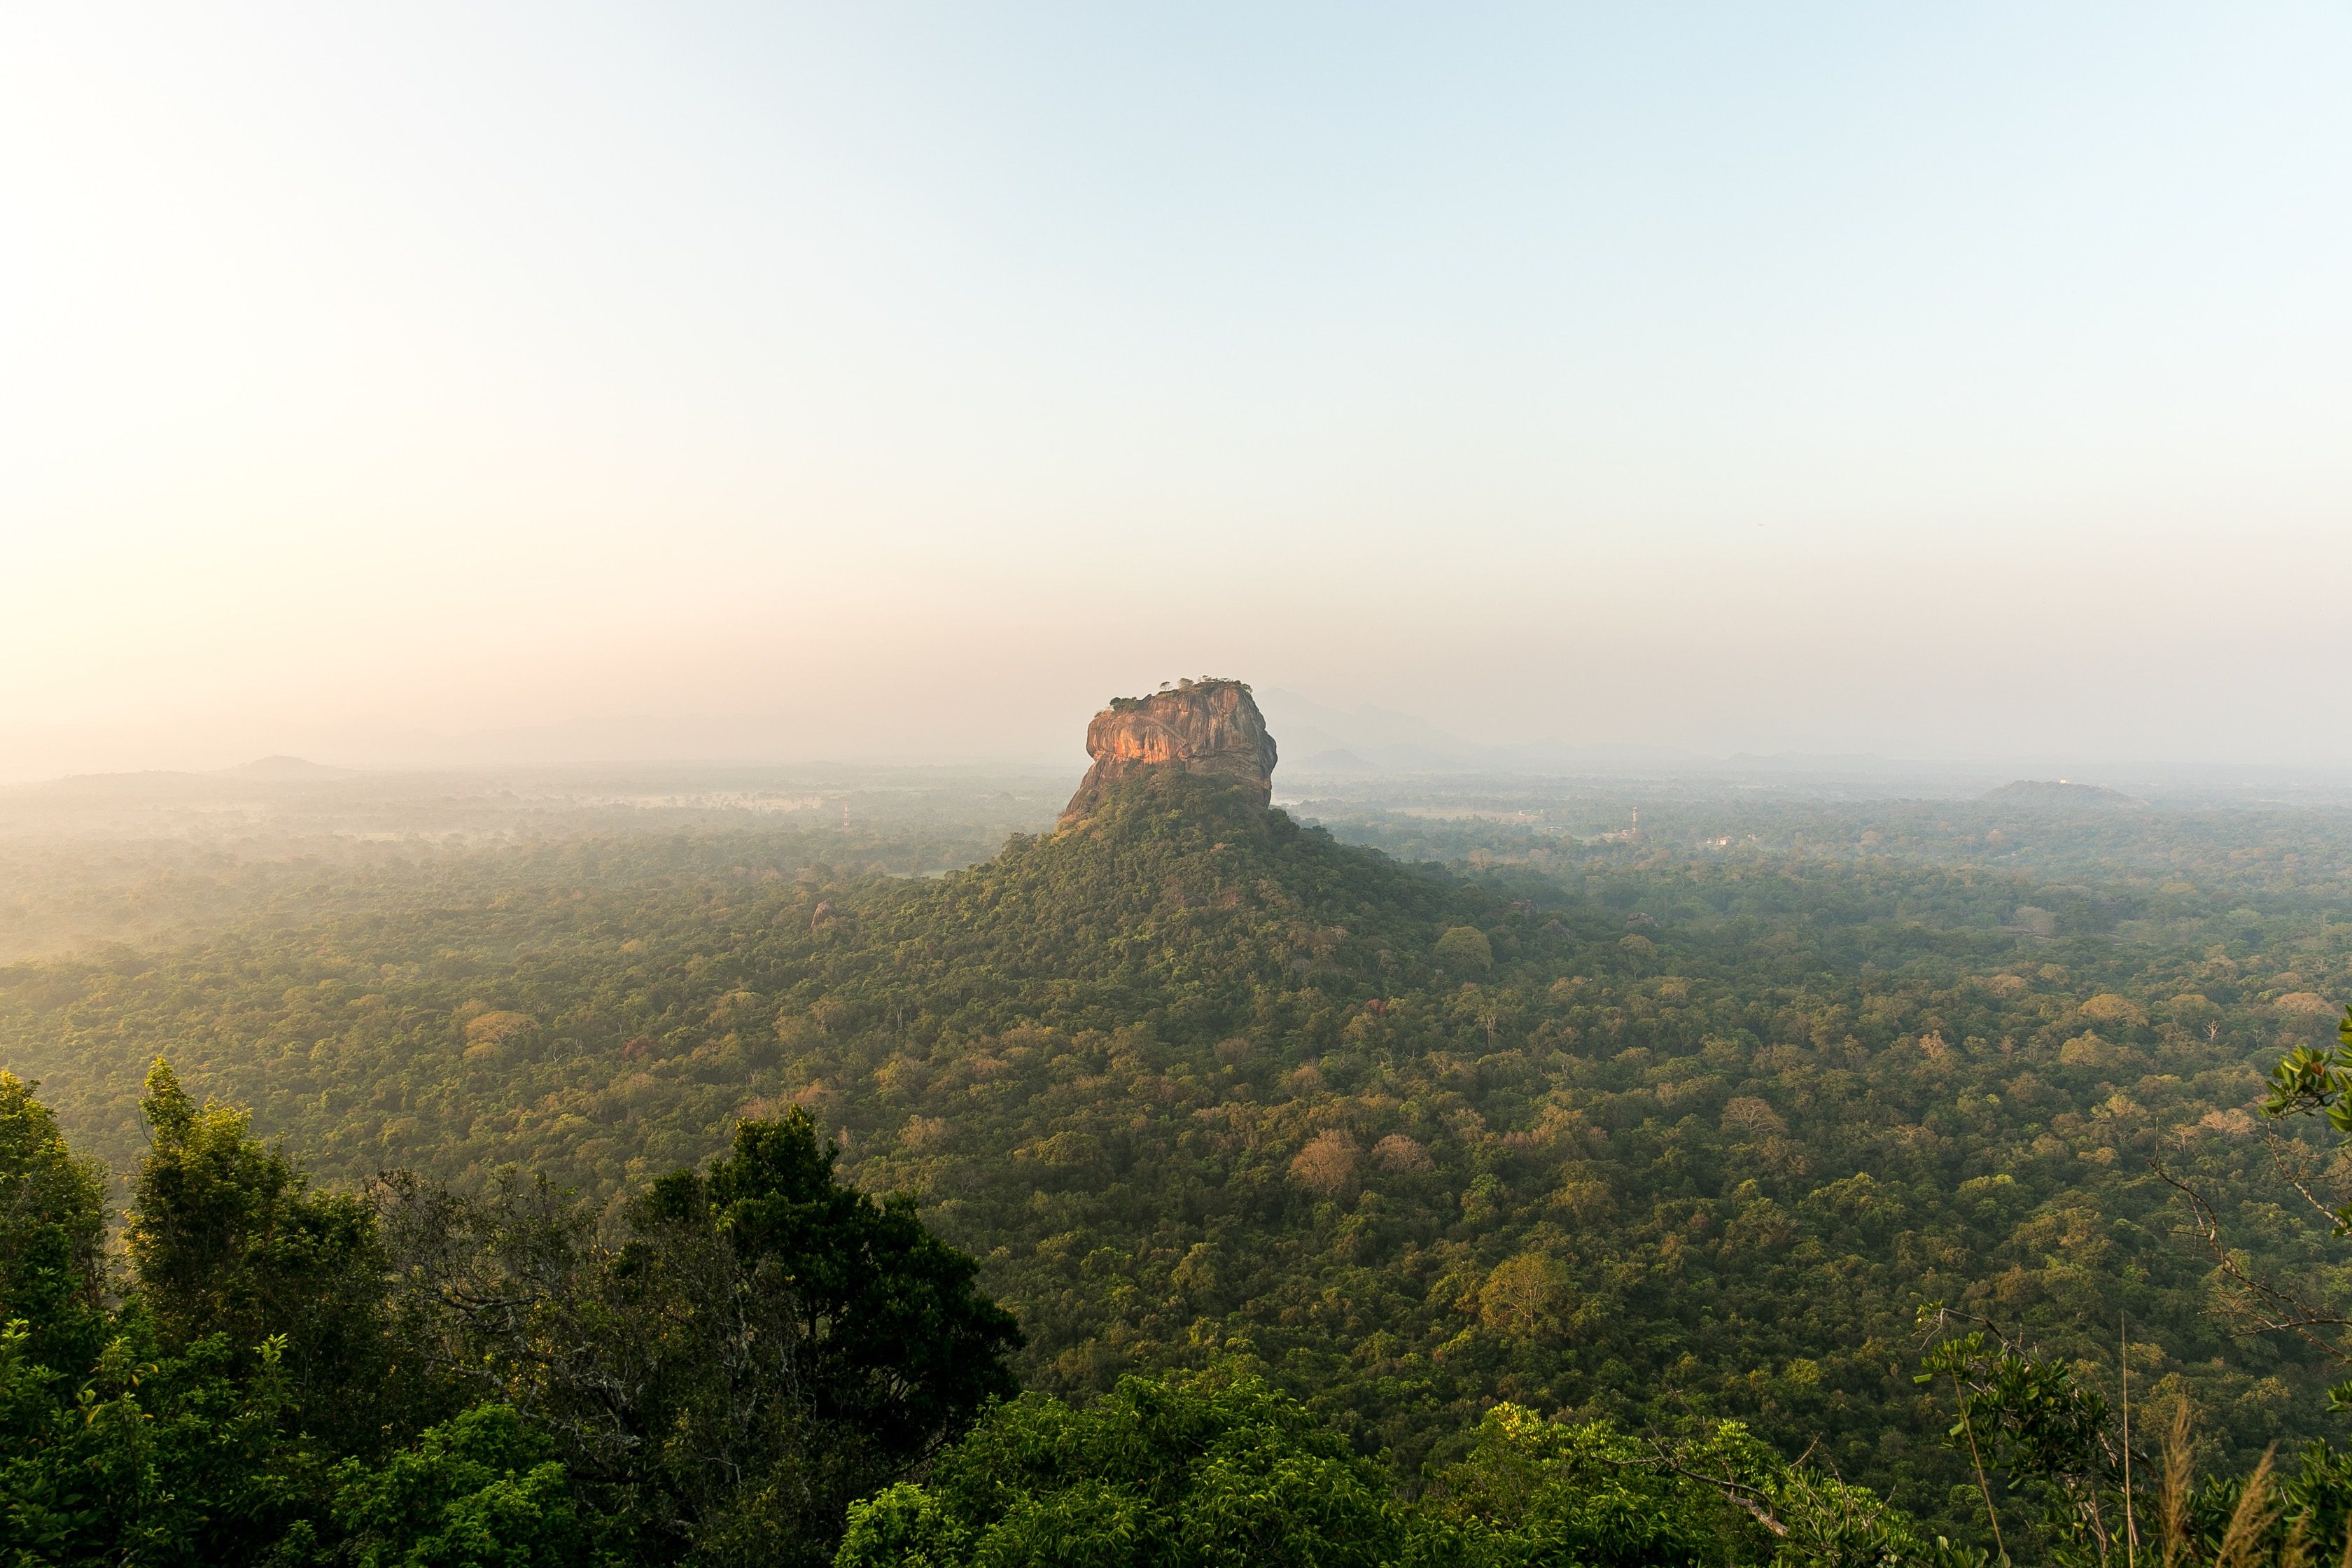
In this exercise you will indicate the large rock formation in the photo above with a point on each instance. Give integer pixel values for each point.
(1210, 727)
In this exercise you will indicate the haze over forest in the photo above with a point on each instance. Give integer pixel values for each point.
(1226, 787)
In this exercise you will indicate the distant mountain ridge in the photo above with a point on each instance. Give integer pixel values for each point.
(2062, 794)
(285, 767)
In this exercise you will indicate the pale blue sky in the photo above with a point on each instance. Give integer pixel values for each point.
(1940, 381)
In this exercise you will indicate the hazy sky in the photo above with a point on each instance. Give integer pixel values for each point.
(905, 380)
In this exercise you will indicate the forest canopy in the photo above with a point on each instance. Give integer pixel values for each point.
(1632, 1138)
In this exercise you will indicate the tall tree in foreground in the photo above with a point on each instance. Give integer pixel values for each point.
(122, 1440)
(52, 1234)
(764, 1346)
(228, 1238)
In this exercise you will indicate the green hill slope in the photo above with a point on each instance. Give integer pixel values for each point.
(1180, 906)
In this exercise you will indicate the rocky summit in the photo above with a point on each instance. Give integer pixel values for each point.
(1210, 727)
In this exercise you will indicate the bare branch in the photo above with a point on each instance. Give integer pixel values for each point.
(2265, 1307)
(2271, 1142)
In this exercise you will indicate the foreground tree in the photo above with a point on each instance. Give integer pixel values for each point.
(52, 1235)
(483, 1489)
(228, 1239)
(1218, 1468)
(764, 1346)
(1211, 1470)
(129, 1435)
(294, 1376)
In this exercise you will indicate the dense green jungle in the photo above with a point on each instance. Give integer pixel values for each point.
(1436, 1177)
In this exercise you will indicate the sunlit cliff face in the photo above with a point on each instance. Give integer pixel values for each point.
(1206, 727)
